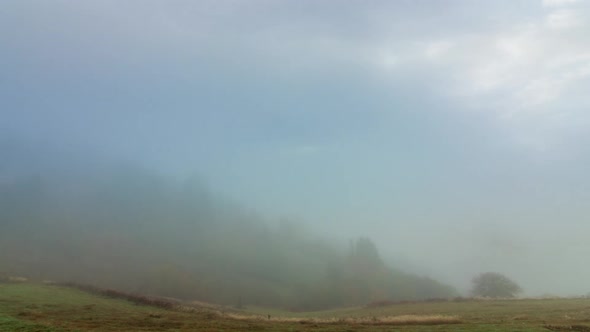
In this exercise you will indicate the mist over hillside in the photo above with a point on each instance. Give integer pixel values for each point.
(127, 227)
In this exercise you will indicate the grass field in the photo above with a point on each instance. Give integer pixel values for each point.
(34, 307)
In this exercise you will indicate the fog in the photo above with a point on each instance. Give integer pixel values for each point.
(451, 137)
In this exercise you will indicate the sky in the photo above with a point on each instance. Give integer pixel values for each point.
(453, 133)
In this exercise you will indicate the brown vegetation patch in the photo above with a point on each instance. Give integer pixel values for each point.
(13, 279)
(386, 303)
(382, 303)
(134, 298)
(211, 314)
(578, 328)
(385, 320)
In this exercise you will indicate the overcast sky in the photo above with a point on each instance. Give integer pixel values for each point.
(453, 133)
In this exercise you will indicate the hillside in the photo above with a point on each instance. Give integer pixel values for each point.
(129, 228)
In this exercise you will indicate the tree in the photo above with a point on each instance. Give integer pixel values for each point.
(492, 284)
(365, 253)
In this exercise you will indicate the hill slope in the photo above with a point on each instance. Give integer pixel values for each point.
(126, 227)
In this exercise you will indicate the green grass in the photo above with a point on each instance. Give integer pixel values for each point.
(44, 308)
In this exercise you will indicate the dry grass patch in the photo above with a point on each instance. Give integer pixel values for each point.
(420, 320)
(383, 320)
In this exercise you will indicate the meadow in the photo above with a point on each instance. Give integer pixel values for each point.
(38, 307)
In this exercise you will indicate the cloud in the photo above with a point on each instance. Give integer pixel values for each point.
(563, 19)
(558, 3)
(500, 58)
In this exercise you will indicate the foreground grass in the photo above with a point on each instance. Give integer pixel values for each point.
(43, 308)
(484, 315)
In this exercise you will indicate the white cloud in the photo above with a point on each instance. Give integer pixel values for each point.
(558, 3)
(563, 19)
(488, 64)
(528, 66)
